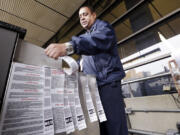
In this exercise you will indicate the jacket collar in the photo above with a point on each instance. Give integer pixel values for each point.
(94, 26)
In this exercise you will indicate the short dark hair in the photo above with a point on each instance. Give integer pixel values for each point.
(90, 8)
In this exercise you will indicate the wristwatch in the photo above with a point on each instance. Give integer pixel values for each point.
(69, 48)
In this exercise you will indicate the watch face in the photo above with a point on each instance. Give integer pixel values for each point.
(69, 49)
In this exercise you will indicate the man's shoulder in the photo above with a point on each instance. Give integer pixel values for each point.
(102, 22)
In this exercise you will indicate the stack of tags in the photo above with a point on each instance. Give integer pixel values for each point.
(92, 98)
(45, 101)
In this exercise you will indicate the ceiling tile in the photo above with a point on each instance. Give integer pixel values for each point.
(66, 7)
(33, 12)
(33, 31)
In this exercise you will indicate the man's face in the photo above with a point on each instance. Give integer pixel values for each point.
(87, 18)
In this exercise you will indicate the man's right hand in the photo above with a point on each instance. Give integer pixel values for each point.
(55, 50)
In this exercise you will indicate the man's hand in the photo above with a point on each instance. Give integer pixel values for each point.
(56, 50)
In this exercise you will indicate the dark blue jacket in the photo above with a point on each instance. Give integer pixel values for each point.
(100, 42)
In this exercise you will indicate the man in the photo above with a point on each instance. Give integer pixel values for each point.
(100, 57)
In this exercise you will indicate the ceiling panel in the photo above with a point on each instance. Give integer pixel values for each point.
(33, 31)
(119, 10)
(109, 18)
(34, 12)
(166, 6)
(66, 7)
(123, 30)
(41, 18)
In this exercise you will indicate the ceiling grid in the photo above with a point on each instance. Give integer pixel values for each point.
(49, 21)
(40, 21)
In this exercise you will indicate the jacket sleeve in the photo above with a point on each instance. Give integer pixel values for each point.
(99, 40)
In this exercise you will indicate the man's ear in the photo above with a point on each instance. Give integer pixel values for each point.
(94, 14)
